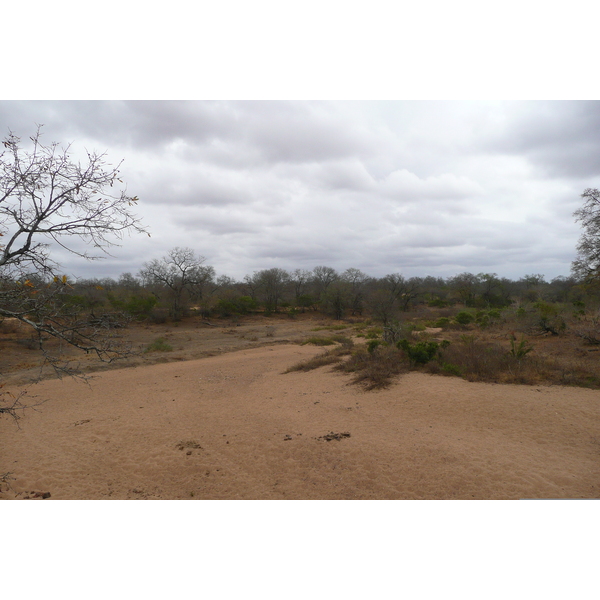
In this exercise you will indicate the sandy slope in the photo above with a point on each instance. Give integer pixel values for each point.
(234, 427)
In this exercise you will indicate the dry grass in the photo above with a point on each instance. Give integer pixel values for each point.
(376, 369)
(480, 359)
(330, 357)
(478, 356)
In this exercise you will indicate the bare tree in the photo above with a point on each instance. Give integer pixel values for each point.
(271, 283)
(300, 279)
(404, 291)
(180, 272)
(322, 278)
(357, 281)
(587, 264)
(46, 197)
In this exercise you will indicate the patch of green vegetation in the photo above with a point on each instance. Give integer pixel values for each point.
(159, 345)
(520, 349)
(374, 333)
(372, 344)
(419, 353)
(450, 369)
(327, 341)
(464, 318)
(318, 341)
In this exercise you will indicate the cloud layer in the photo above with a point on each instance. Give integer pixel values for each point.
(421, 188)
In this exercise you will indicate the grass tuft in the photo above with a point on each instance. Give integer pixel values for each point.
(159, 345)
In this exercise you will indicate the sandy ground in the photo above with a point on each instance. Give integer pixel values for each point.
(235, 427)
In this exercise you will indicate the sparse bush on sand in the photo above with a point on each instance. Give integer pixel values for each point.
(328, 341)
(375, 369)
(472, 357)
(159, 345)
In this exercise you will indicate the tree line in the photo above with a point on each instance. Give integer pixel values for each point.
(180, 282)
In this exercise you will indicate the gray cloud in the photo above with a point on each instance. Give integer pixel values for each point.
(560, 138)
(413, 187)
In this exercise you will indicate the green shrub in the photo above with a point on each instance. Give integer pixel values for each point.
(374, 333)
(451, 369)
(420, 352)
(159, 345)
(372, 344)
(438, 302)
(521, 349)
(318, 341)
(137, 306)
(483, 321)
(442, 322)
(464, 318)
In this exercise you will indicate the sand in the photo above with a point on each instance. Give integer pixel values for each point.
(235, 426)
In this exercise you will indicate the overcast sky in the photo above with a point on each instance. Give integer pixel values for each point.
(415, 187)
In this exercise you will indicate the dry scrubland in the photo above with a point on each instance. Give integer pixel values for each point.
(305, 407)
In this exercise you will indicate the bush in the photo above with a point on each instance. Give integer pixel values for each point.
(159, 345)
(464, 318)
(419, 353)
(328, 341)
(159, 315)
(438, 302)
(372, 344)
(521, 349)
(375, 369)
(242, 305)
(374, 333)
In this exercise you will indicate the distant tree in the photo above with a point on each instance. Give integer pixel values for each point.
(46, 197)
(271, 284)
(494, 292)
(356, 282)
(128, 282)
(180, 272)
(336, 299)
(587, 264)
(382, 305)
(561, 288)
(224, 282)
(530, 287)
(300, 279)
(402, 290)
(464, 286)
(322, 278)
